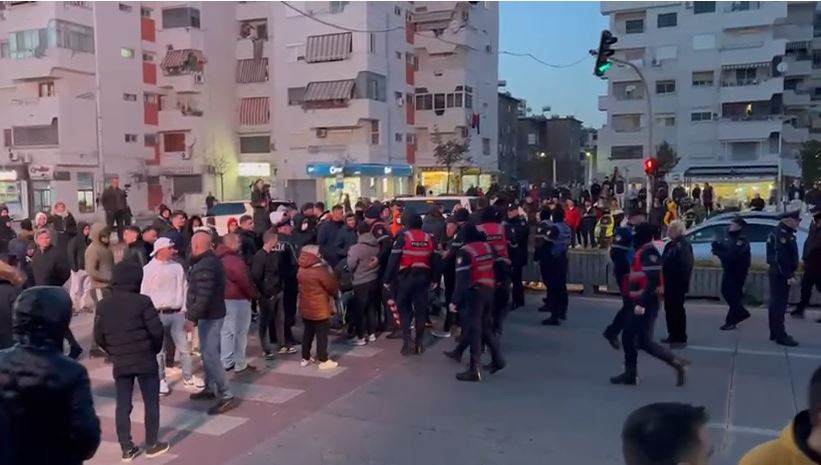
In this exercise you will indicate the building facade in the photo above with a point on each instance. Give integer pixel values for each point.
(733, 88)
(564, 143)
(181, 99)
(508, 137)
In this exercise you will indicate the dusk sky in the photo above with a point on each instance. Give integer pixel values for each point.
(558, 33)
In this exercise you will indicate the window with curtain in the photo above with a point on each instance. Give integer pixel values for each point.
(85, 192)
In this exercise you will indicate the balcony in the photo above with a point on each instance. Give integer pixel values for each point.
(447, 121)
(752, 51)
(620, 7)
(750, 14)
(245, 48)
(751, 128)
(184, 116)
(182, 83)
(346, 116)
(615, 104)
(794, 135)
(44, 66)
(798, 65)
(752, 90)
(609, 136)
(33, 111)
(796, 98)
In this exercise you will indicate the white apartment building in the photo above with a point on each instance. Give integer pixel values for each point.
(734, 86)
(186, 98)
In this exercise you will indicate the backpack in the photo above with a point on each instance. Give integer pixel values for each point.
(344, 275)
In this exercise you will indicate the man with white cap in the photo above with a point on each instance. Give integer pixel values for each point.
(165, 283)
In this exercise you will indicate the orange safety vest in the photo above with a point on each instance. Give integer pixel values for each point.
(417, 250)
(497, 238)
(636, 281)
(481, 264)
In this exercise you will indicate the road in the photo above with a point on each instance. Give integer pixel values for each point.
(553, 401)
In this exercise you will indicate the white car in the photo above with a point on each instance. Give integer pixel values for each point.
(219, 215)
(422, 205)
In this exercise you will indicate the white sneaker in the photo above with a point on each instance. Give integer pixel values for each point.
(358, 341)
(164, 389)
(371, 337)
(441, 334)
(305, 363)
(328, 365)
(194, 382)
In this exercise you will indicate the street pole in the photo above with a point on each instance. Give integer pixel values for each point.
(649, 123)
(779, 196)
(554, 172)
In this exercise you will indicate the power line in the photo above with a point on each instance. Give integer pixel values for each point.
(342, 28)
(550, 65)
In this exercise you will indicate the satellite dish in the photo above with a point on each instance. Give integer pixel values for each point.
(782, 67)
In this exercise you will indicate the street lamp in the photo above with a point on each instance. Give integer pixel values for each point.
(543, 155)
(589, 156)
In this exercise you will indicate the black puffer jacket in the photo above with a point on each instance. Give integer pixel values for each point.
(265, 272)
(77, 249)
(46, 410)
(128, 326)
(49, 267)
(10, 280)
(206, 288)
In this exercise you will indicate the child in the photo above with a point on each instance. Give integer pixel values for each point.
(317, 286)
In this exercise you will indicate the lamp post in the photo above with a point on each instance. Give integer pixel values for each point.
(553, 161)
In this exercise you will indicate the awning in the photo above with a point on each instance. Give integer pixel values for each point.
(433, 16)
(254, 111)
(763, 64)
(328, 47)
(252, 71)
(328, 90)
(177, 58)
(732, 171)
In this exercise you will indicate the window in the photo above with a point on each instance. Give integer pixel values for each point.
(666, 121)
(634, 26)
(397, 11)
(45, 89)
(667, 20)
(704, 7)
(254, 29)
(150, 140)
(131, 138)
(371, 43)
(710, 233)
(374, 129)
(32, 136)
(463, 131)
(449, 100)
(485, 146)
(438, 101)
(42, 196)
(745, 77)
(145, 12)
(127, 52)
(4, 49)
(174, 141)
(337, 7)
(697, 116)
(124, 7)
(468, 101)
(398, 137)
(295, 95)
(702, 78)
(129, 97)
(665, 87)
(254, 144)
(626, 123)
(532, 138)
(410, 139)
(398, 55)
(626, 152)
(180, 17)
(424, 102)
(59, 33)
(85, 192)
(148, 57)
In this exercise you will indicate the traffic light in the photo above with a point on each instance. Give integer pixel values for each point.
(650, 166)
(604, 53)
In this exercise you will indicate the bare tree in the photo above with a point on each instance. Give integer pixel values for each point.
(450, 153)
(218, 166)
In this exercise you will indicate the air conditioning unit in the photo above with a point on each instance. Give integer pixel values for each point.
(14, 157)
(322, 133)
(629, 89)
(655, 62)
(28, 158)
(185, 155)
(199, 78)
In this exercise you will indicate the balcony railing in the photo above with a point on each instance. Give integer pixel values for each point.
(743, 82)
(741, 6)
(753, 117)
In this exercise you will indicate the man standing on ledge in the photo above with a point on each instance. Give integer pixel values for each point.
(115, 204)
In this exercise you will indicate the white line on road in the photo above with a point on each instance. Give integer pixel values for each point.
(777, 353)
(745, 429)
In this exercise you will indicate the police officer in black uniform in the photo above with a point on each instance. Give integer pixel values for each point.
(542, 252)
(621, 254)
(473, 297)
(734, 253)
(412, 272)
(517, 250)
(558, 238)
(811, 256)
(454, 231)
(782, 256)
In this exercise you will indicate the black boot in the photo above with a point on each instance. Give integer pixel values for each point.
(453, 355)
(798, 313)
(471, 374)
(552, 321)
(493, 367)
(407, 349)
(628, 378)
(681, 366)
(613, 341)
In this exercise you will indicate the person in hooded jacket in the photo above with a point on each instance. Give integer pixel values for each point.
(317, 286)
(63, 224)
(239, 291)
(48, 265)
(129, 329)
(163, 220)
(99, 264)
(305, 224)
(11, 281)
(363, 261)
(46, 408)
(6, 233)
(434, 224)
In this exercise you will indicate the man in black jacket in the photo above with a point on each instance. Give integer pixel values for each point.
(205, 308)
(115, 204)
(265, 271)
(129, 330)
(46, 409)
(77, 264)
(48, 266)
(288, 268)
(734, 253)
(135, 246)
(517, 250)
(326, 234)
(677, 267)
(811, 256)
(248, 239)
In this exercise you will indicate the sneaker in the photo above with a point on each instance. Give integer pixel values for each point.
(247, 369)
(157, 449)
(130, 453)
(358, 341)
(304, 363)
(224, 405)
(328, 365)
(203, 395)
(164, 389)
(194, 382)
(371, 337)
(229, 368)
(287, 350)
(441, 334)
(269, 356)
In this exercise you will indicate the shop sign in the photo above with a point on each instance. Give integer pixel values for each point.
(10, 175)
(41, 172)
(359, 169)
(260, 170)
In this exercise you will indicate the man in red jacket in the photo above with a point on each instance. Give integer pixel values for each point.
(238, 294)
(573, 218)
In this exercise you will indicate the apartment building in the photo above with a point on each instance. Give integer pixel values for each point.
(508, 137)
(186, 98)
(733, 87)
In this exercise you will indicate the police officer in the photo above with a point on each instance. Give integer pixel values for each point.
(559, 239)
(519, 230)
(384, 239)
(734, 253)
(454, 231)
(412, 270)
(644, 289)
(782, 256)
(542, 252)
(473, 298)
(497, 236)
(621, 254)
(811, 257)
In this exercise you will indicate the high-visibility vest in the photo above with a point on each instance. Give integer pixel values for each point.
(481, 264)
(417, 250)
(497, 238)
(636, 280)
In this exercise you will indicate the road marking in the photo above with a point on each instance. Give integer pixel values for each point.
(262, 393)
(289, 367)
(109, 453)
(174, 418)
(777, 353)
(359, 352)
(745, 429)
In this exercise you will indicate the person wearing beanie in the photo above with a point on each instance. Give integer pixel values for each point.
(644, 286)
(734, 253)
(453, 231)
(558, 237)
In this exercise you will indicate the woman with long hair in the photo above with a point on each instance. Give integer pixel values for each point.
(261, 201)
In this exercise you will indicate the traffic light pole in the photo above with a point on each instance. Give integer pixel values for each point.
(649, 124)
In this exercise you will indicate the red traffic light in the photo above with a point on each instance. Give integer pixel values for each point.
(650, 166)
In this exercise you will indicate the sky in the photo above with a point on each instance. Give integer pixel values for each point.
(558, 33)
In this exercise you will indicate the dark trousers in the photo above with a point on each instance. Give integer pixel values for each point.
(557, 297)
(450, 285)
(478, 327)
(619, 320)
(500, 300)
(320, 330)
(364, 308)
(587, 231)
(674, 312)
(808, 281)
(289, 295)
(150, 390)
(119, 218)
(412, 300)
(779, 295)
(518, 285)
(733, 292)
(272, 323)
(74, 346)
(638, 335)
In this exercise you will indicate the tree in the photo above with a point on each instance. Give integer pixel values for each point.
(218, 166)
(666, 158)
(809, 159)
(450, 153)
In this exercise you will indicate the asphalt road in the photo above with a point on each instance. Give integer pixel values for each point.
(552, 404)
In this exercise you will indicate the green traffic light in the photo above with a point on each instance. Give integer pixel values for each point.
(605, 66)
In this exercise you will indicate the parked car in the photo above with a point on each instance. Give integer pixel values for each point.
(422, 205)
(219, 215)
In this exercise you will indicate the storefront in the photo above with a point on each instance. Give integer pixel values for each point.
(359, 180)
(733, 186)
(248, 173)
(14, 191)
(436, 179)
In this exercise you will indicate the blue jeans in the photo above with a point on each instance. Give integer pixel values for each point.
(175, 324)
(235, 334)
(215, 380)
